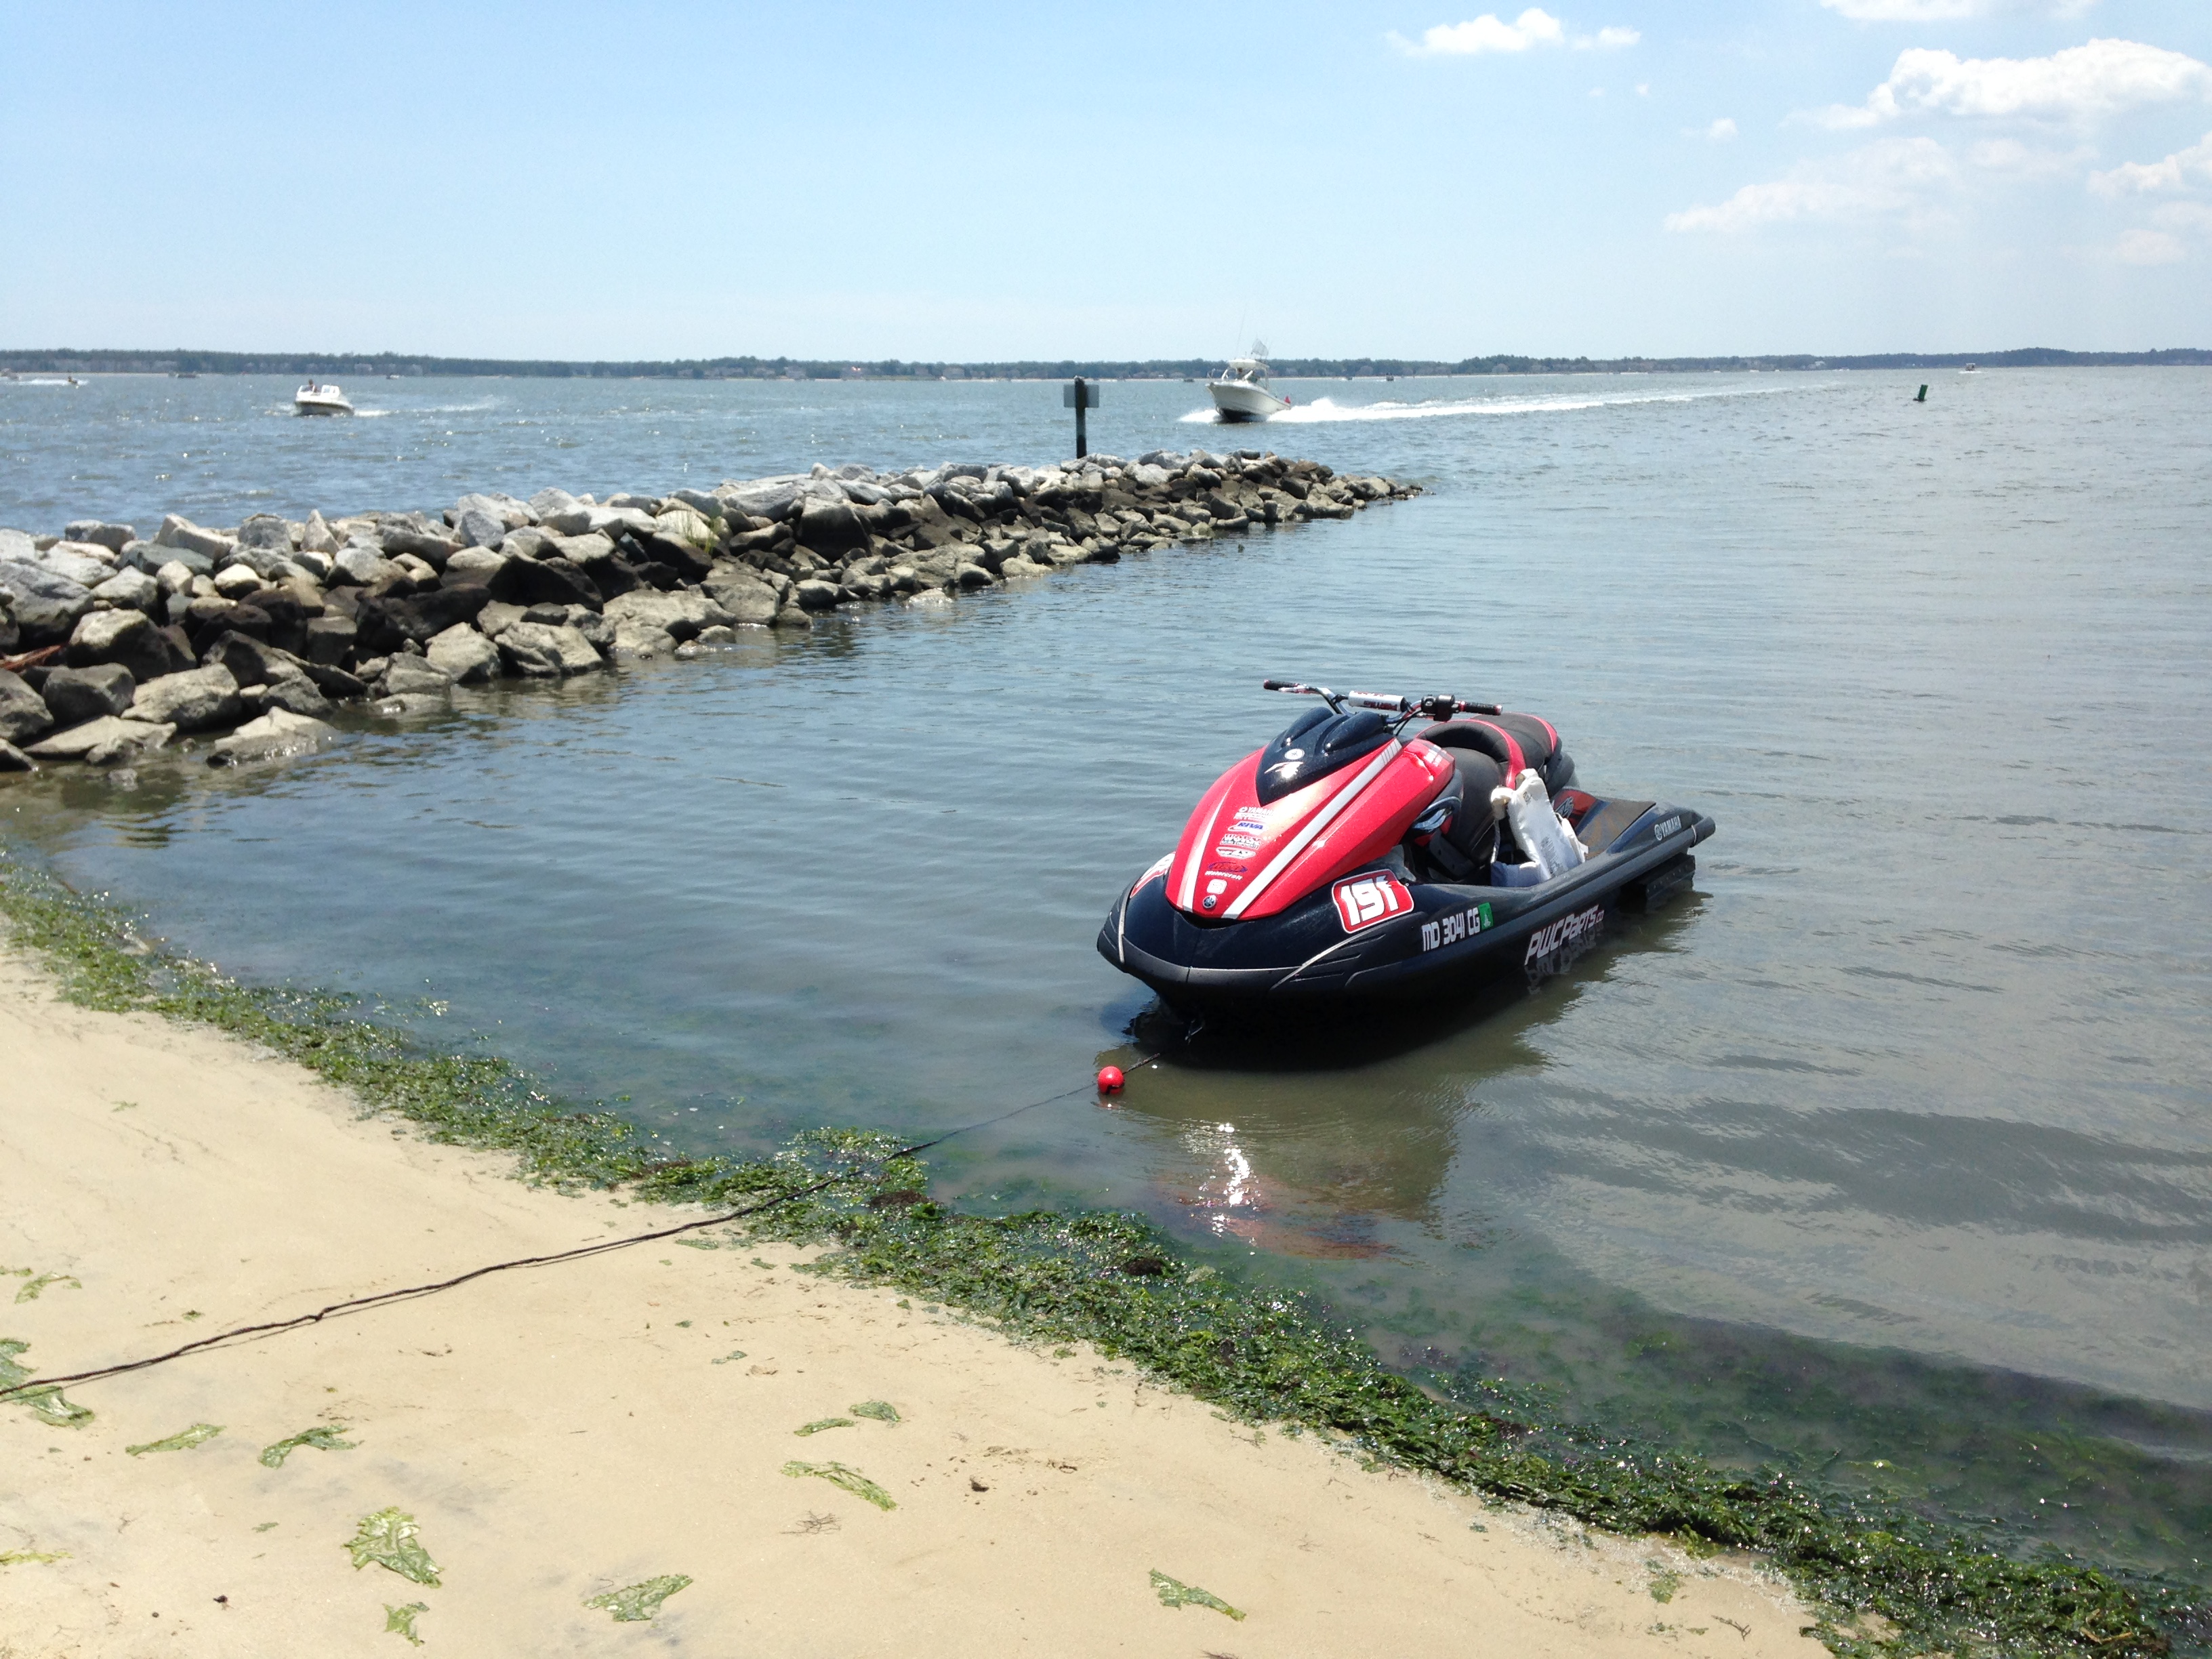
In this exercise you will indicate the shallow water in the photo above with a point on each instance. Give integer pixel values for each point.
(1886, 1150)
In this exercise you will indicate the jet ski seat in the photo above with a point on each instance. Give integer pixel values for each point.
(1515, 742)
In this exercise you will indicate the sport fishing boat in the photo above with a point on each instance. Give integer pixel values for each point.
(1241, 391)
(1354, 858)
(318, 398)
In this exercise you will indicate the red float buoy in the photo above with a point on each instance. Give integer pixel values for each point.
(1110, 1080)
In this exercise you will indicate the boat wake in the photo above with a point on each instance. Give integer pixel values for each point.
(1326, 410)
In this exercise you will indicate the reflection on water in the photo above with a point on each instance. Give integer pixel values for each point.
(1886, 1151)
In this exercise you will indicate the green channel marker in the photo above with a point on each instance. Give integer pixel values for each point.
(637, 1603)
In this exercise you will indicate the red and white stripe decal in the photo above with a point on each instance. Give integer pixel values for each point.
(1189, 899)
(1304, 838)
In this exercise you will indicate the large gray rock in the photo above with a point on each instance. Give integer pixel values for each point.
(537, 652)
(122, 636)
(638, 641)
(45, 604)
(82, 563)
(113, 537)
(511, 515)
(295, 694)
(815, 594)
(265, 530)
(742, 595)
(24, 716)
(410, 676)
(830, 528)
(359, 566)
(546, 501)
(197, 700)
(317, 536)
(766, 498)
(331, 640)
(270, 563)
(236, 581)
(273, 735)
(433, 547)
(463, 654)
(681, 524)
(129, 590)
(478, 528)
(78, 694)
(176, 531)
(478, 564)
(13, 759)
(706, 505)
(154, 558)
(110, 737)
(19, 544)
(681, 614)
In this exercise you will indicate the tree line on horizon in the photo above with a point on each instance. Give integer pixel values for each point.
(72, 362)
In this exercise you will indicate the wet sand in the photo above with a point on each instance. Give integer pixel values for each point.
(562, 1433)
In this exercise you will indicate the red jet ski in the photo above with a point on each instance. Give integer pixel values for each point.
(1353, 860)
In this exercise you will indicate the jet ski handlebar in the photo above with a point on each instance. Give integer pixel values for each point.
(1439, 706)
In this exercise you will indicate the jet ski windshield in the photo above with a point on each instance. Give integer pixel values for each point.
(1315, 745)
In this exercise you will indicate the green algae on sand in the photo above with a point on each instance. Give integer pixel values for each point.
(182, 1440)
(1173, 1593)
(400, 1621)
(821, 1423)
(387, 1538)
(30, 1293)
(635, 1602)
(845, 1478)
(43, 1400)
(322, 1438)
(882, 1410)
(31, 1558)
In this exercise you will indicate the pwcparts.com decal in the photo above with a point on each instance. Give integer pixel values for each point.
(1565, 933)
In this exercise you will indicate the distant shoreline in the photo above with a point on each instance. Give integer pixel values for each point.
(73, 361)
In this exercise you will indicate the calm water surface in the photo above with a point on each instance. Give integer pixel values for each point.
(1886, 1153)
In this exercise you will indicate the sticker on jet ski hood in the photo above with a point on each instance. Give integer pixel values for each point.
(1364, 899)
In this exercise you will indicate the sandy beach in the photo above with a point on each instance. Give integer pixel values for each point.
(560, 1433)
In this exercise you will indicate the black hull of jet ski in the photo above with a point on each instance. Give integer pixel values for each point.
(1450, 937)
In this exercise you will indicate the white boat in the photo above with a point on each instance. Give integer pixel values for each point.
(316, 398)
(1241, 392)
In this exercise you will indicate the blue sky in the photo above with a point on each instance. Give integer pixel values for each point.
(993, 182)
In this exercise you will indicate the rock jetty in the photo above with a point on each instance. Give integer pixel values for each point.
(112, 646)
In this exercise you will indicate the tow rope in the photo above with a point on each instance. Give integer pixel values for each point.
(385, 1298)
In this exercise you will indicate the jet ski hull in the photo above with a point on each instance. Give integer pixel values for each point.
(1375, 934)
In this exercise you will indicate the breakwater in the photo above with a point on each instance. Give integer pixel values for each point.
(112, 646)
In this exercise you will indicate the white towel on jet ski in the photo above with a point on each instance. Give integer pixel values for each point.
(1543, 835)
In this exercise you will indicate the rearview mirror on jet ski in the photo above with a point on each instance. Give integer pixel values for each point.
(1354, 858)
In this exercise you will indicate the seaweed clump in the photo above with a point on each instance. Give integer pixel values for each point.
(1112, 1280)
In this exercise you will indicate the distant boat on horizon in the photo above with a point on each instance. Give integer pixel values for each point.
(317, 398)
(1241, 392)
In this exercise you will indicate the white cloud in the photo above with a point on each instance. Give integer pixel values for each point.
(1612, 38)
(1949, 11)
(2025, 161)
(2185, 216)
(2175, 172)
(1892, 178)
(2079, 84)
(2149, 247)
(1534, 27)
(1721, 131)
